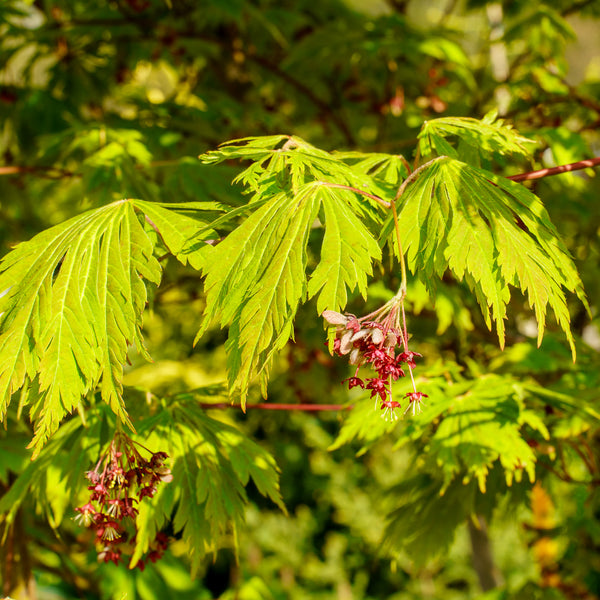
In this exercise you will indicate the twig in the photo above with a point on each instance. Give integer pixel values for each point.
(588, 463)
(576, 166)
(274, 406)
(46, 171)
(576, 7)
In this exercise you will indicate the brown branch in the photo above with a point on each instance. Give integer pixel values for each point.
(566, 477)
(273, 406)
(576, 166)
(588, 463)
(45, 171)
(576, 7)
(481, 554)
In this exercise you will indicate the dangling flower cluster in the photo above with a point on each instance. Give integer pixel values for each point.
(121, 479)
(374, 339)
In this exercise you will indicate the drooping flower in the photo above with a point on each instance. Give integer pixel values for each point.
(379, 339)
(354, 382)
(415, 400)
(377, 387)
(121, 478)
(86, 515)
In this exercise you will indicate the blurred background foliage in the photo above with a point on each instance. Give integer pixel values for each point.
(101, 100)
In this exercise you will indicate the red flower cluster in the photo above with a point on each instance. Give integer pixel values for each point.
(122, 478)
(373, 340)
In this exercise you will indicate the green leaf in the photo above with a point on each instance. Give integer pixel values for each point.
(425, 522)
(364, 424)
(72, 305)
(346, 255)
(481, 425)
(211, 462)
(262, 323)
(177, 230)
(256, 277)
(487, 137)
(51, 483)
(286, 167)
(388, 168)
(489, 231)
(253, 148)
(465, 428)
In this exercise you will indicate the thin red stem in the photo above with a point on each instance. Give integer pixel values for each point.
(273, 406)
(405, 342)
(576, 166)
(341, 186)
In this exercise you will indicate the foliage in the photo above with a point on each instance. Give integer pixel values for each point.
(143, 295)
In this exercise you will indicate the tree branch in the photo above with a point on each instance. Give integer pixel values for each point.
(483, 562)
(576, 166)
(274, 406)
(44, 171)
(60, 173)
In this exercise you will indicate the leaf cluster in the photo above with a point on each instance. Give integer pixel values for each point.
(72, 303)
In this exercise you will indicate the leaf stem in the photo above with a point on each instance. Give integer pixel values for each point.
(411, 177)
(341, 186)
(406, 164)
(403, 283)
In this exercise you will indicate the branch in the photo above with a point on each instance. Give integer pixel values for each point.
(576, 7)
(483, 562)
(58, 173)
(273, 406)
(576, 166)
(45, 171)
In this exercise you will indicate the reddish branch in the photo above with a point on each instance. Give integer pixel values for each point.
(274, 406)
(576, 166)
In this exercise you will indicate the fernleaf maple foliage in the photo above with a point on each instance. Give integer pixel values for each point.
(74, 297)
(490, 231)
(333, 358)
(72, 305)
